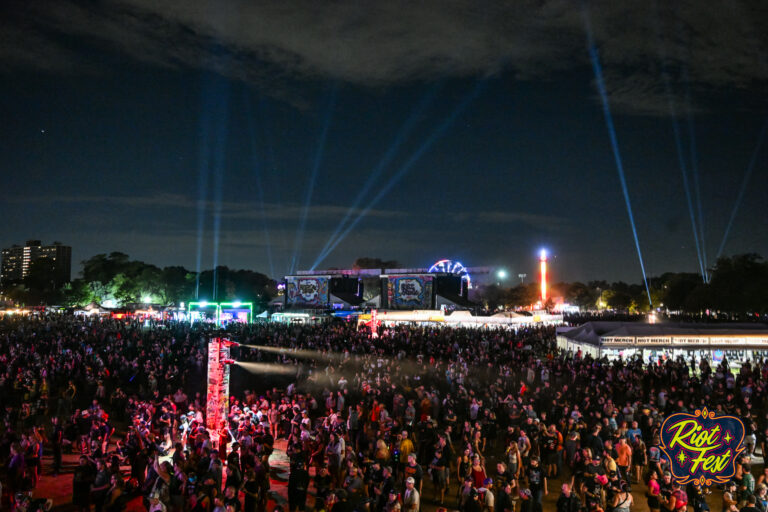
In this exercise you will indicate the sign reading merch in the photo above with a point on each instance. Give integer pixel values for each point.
(307, 291)
(702, 447)
(410, 292)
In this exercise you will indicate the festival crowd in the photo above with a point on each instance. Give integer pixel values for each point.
(461, 419)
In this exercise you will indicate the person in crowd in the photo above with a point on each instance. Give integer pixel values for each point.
(411, 497)
(568, 501)
(82, 479)
(622, 501)
(363, 415)
(298, 485)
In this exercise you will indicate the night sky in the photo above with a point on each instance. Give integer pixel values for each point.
(188, 132)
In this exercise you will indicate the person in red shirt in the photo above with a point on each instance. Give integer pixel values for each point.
(375, 411)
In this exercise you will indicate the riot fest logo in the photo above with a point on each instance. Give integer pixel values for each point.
(702, 446)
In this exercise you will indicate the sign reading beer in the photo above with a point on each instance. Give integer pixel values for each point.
(702, 446)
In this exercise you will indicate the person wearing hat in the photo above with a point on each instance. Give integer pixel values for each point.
(666, 485)
(473, 502)
(385, 484)
(677, 501)
(233, 459)
(730, 498)
(411, 497)
(393, 502)
(463, 494)
(489, 500)
(526, 503)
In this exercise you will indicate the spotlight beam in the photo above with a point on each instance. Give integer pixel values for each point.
(313, 177)
(696, 178)
(297, 353)
(686, 184)
(407, 365)
(257, 171)
(274, 187)
(203, 177)
(678, 142)
(202, 191)
(743, 188)
(433, 137)
(267, 368)
(403, 134)
(222, 131)
(597, 68)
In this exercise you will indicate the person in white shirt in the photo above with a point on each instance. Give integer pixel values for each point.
(411, 498)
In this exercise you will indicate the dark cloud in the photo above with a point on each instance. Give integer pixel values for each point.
(501, 218)
(232, 210)
(378, 44)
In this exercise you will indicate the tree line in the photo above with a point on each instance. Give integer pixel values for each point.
(737, 284)
(117, 280)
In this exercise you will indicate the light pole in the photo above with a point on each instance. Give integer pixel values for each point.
(543, 275)
(522, 278)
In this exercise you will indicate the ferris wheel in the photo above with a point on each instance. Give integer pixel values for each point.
(452, 267)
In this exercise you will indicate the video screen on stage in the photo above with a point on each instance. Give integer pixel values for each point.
(308, 291)
(410, 292)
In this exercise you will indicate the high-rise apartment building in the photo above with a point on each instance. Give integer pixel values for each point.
(17, 261)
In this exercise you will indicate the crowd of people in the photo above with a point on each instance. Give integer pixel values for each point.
(462, 419)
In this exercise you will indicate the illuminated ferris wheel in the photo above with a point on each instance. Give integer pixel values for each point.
(452, 267)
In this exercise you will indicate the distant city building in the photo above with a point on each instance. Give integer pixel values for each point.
(17, 261)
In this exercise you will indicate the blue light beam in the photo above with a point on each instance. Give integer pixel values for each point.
(593, 54)
(402, 135)
(743, 188)
(275, 186)
(222, 131)
(257, 171)
(313, 178)
(684, 171)
(203, 177)
(433, 137)
(678, 143)
(694, 156)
